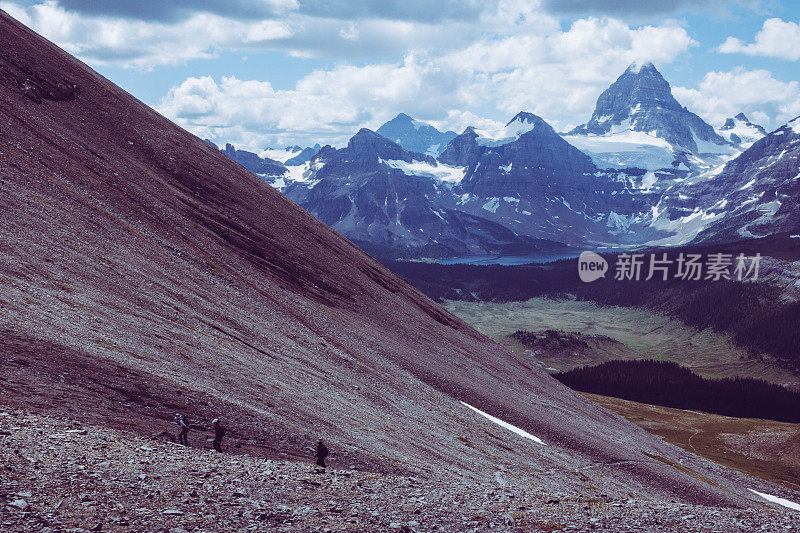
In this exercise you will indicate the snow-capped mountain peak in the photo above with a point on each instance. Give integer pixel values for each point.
(638, 123)
(757, 193)
(740, 132)
(641, 100)
(525, 117)
(639, 64)
(522, 123)
(416, 136)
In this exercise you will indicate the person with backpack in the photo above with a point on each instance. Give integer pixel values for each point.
(321, 453)
(219, 432)
(183, 424)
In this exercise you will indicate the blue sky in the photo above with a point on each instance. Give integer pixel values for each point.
(278, 72)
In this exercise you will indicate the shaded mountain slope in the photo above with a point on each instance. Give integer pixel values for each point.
(262, 166)
(757, 193)
(526, 177)
(367, 193)
(416, 136)
(641, 100)
(127, 241)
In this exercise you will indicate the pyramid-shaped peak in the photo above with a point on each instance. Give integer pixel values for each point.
(367, 138)
(365, 132)
(641, 100)
(525, 117)
(370, 143)
(641, 65)
(641, 86)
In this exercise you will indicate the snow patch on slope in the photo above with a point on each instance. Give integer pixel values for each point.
(504, 135)
(795, 125)
(625, 149)
(708, 147)
(442, 172)
(684, 228)
(775, 499)
(492, 205)
(278, 155)
(741, 134)
(512, 428)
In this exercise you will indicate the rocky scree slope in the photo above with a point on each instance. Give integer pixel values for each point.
(59, 475)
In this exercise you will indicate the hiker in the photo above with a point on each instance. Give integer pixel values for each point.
(321, 453)
(219, 432)
(184, 425)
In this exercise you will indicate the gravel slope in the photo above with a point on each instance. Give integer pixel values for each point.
(59, 475)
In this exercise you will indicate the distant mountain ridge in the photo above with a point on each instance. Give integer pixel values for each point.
(363, 192)
(528, 178)
(642, 170)
(416, 136)
(641, 100)
(740, 132)
(263, 166)
(758, 193)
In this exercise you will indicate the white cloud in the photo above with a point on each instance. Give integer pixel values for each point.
(324, 105)
(639, 8)
(775, 39)
(458, 121)
(493, 60)
(139, 44)
(556, 74)
(150, 33)
(755, 92)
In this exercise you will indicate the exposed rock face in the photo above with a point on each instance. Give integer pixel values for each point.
(462, 150)
(361, 192)
(304, 155)
(518, 188)
(740, 132)
(416, 136)
(262, 166)
(528, 178)
(758, 193)
(641, 100)
(539, 162)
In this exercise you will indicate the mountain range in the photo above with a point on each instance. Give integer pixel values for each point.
(643, 170)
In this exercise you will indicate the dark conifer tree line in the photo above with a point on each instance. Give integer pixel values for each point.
(671, 385)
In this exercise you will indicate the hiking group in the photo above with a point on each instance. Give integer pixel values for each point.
(183, 434)
(320, 452)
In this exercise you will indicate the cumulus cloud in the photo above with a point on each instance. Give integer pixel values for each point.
(775, 39)
(140, 44)
(556, 74)
(174, 10)
(150, 33)
(755, 92)
(324, 105)
(458, 121)
(466, 61)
